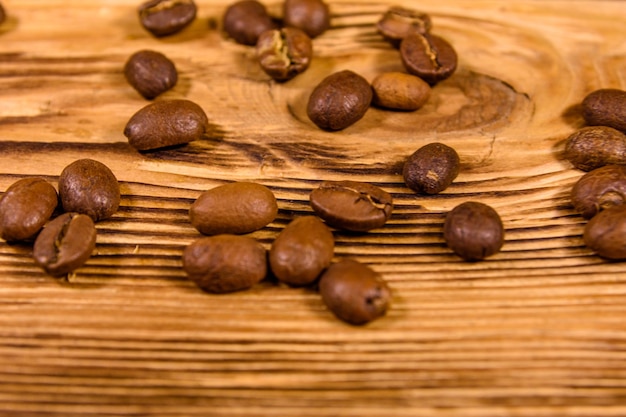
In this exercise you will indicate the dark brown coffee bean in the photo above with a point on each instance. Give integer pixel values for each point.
(340, 100)
(302, 251)
(599, 189)
(65, 243)
(284, 53)
(606, 107)
(235, 208)
(150, 73)
(166, 123)
(605, 233)
(596, 146)
(354, 292)
(352, 205)
(431, 169)
(89, 187)
(398, 22)
(25, 207)
(428, 56)
(225, 263)
(473, 231)
(400, 91)
(166, 17)
(312, 16)
(245, 20)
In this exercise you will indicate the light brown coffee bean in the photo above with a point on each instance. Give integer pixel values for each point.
(354, 292)
(302, 251)
(166, 123)
(150, 73)
(311, 16)
(340, 100)
(225, 263)
(400, 91)
(596, 146)
(25, 207)
(89, 187)
(284, 53)
(605, 233)
(65, 244)
(473, 231)
(606, 107)
(352, 205)
(431, 169)
(235, 208)
(599, 189)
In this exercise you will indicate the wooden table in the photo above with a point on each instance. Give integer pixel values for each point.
(536, 330)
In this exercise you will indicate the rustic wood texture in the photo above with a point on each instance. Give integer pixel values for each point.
(537, 330)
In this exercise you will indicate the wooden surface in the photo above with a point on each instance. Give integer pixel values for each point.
(537, 330)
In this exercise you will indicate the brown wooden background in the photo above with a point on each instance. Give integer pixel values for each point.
(537, 330)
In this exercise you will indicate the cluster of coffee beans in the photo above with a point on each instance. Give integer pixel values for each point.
(301, 255)
(88, 192)
(600, 150)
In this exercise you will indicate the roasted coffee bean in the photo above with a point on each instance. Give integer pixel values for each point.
(235, 208)
(605, 233)
(225, 263)
(245, 20)
(65, 243)
(599, 189)
(166, 123)
(431, 169)
(473, 231)
(596, 146)
(89, 187)
(340, 100)
(400, 91)
(25, 207)
(606, 107)
(398, 22)
(284, 53)
(354, 292)
(302, 251)
(352, 205)
(428, 56)
(150, 73)
(166, 17)
(312, 16)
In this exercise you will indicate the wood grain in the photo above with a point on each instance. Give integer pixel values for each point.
(537, 330)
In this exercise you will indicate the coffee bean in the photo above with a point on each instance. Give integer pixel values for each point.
(245, 20)
(25, 207)
(150, 73)
(302, 251)
(473, 231)
(400, 91)
(65, 243)
(354, 292)
(312, 16)
(284, 53)
(166, 17)
(596, 146)
(352, 205)
(605, 233)
(430, 57)
(235, 208)
(340, 100)
(398, 22)
(431, 169)
(606, 107)
(225, 263)
(599, 189)
(89, 187)
(166, 123)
